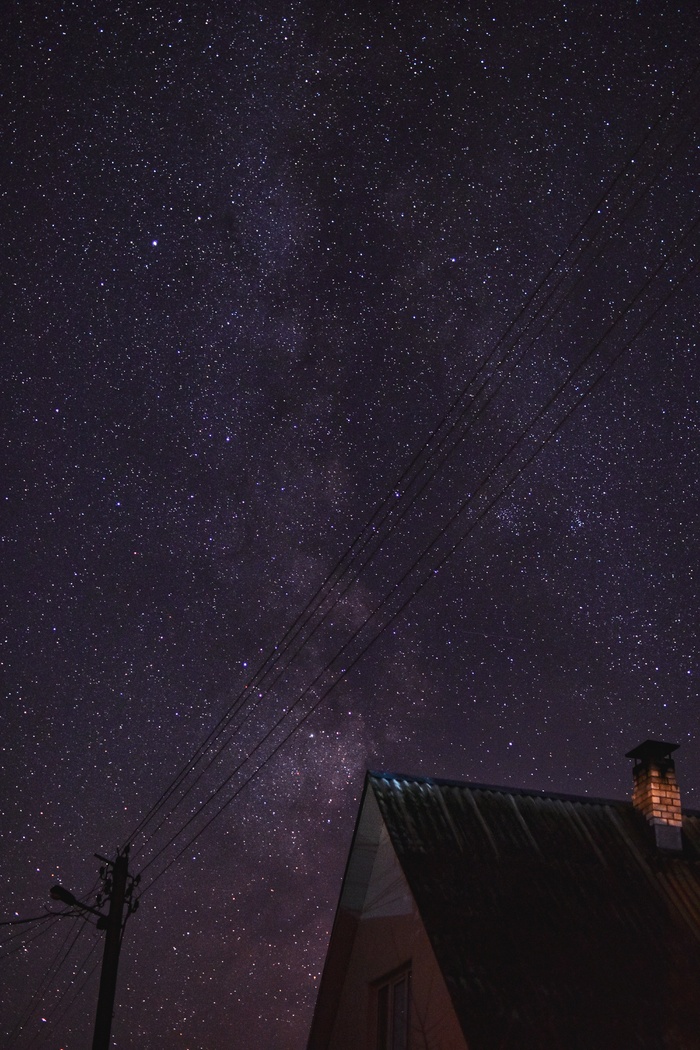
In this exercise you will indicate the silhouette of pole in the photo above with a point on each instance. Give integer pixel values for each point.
(110, 959)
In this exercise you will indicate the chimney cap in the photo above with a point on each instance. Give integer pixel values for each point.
(652, 749)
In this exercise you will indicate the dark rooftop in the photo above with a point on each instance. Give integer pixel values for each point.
(555, 919)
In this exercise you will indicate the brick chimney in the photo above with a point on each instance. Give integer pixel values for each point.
(656, 793)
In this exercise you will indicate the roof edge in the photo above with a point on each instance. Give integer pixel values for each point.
(503, 789)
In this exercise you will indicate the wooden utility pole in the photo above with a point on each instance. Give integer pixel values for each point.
(110, 959)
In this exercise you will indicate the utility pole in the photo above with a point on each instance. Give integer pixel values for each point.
(116, 887)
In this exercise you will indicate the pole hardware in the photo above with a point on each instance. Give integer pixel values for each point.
(118, 889)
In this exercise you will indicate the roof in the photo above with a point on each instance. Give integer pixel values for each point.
(555, 920)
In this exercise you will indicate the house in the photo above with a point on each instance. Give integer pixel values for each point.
(487, 918)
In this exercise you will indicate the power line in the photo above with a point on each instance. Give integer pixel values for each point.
(417, 465)
(25, 937)
(400, 610)
(59, 959)
(629, 305)
(326, 613)
(51, 1026)
(34, 918)
(489, 503)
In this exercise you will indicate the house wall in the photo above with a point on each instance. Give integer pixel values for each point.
(390, 935)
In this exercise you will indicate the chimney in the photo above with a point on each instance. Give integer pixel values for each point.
(656, 793)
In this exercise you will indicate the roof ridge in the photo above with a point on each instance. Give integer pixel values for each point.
(500, 788)
(504, 789)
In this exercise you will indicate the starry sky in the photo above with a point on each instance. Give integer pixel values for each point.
(351, 421)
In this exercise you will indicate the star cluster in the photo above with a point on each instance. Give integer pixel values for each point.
(253, 258)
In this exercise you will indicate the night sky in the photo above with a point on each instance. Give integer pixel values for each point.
(255, 256)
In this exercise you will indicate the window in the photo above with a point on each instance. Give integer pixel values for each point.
(393, 1008)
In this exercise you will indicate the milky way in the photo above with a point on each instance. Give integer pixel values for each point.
(253, 260)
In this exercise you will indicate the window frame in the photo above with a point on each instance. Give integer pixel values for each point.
(393, 1013)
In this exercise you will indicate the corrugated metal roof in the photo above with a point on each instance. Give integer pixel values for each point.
(555, 920)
